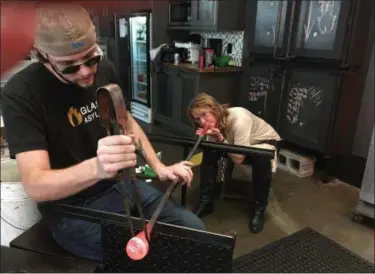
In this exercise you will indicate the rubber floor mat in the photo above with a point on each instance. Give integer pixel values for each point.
(305, 251)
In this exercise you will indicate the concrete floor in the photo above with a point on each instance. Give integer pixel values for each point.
(294, 204)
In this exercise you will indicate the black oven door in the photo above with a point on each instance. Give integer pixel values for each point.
(179, 13)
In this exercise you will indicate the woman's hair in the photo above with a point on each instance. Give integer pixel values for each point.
(203, 100)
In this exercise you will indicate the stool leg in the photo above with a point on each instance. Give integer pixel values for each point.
(208, 174)
(262, 178)
(226, 175)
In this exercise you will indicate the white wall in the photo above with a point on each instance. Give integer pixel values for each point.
(365, 122)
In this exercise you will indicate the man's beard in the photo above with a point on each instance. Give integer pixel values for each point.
(86, 85)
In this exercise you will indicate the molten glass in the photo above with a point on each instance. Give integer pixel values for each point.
(137, 247)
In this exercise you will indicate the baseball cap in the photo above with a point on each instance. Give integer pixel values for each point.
(64, 29)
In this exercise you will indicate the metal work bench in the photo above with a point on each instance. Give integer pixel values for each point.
(14, 260)
(186, 143)
(38, 240)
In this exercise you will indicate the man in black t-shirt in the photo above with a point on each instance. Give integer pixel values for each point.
(54, 132)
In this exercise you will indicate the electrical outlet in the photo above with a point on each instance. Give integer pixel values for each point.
(229, 48)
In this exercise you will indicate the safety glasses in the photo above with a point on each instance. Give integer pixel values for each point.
(91, 61)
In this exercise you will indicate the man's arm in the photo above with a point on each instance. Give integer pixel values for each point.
(44, 184)
(151, 157)
(178, 172)
(25, 134)
(132, 126)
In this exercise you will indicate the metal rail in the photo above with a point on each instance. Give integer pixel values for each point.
(225, 148)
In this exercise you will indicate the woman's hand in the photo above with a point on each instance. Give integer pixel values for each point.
(214, 134)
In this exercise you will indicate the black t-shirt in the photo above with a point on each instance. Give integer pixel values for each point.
(42, 113)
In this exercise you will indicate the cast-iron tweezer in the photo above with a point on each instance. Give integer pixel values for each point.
(113, 116)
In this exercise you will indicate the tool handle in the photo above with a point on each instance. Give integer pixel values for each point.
(200, 138)
(124, 173)
(192, 151)
(161, 205)
(172, 186)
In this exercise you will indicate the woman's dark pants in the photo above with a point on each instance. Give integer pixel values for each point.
(261, 180)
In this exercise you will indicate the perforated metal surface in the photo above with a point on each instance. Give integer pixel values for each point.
(304, 251)
(175, 250)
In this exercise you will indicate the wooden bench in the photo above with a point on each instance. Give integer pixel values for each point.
(14, 260)
(39, 239)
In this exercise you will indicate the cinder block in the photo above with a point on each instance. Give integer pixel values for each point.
(295, 163)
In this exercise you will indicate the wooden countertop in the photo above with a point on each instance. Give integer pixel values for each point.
(195, 68)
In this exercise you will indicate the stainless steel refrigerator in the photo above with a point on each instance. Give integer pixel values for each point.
(140, 79)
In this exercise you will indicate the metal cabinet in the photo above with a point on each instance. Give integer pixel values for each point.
(103, 20)
(172, 92)
(216, 15)
(265, 24)
(174, 88)
(204, 14)
(298, 102)
(322, 27)
(319, 47)
(165, 85)
(309, 29)
(189, 89)
(261, 91)
(307, 106)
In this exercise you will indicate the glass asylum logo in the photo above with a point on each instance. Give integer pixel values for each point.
(83, 115)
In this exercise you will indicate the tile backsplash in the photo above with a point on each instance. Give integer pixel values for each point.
(233, 37)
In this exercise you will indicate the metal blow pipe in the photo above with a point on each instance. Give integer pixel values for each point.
(227, 148)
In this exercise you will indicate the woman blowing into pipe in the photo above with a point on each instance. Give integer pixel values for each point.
(236, 126)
